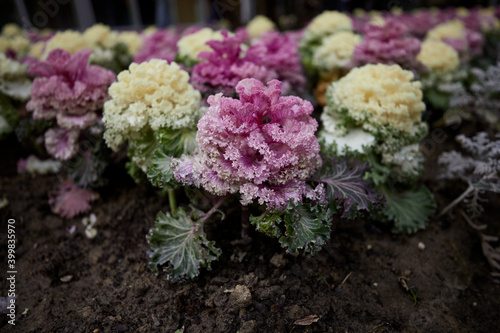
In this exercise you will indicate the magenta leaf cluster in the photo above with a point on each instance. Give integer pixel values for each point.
(387, 44)
(161, 44)
(69, 200)
(227, 64)
(71, 91)
(273, 56)
(261, 145)
(477, 21)
(282, 56)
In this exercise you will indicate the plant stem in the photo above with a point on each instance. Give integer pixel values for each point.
(172, 202)
(457, 200)
(245, 223)
(212, 210)
(472, 224)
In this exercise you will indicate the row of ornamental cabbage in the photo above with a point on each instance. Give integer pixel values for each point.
(298, 128)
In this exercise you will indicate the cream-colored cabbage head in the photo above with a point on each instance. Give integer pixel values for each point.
(438, 56)
(191, 45)
(336, 50)
(451, 29)
(326, 23)
(388, 94)
(153, 95)
(259, 25)
(69, 40)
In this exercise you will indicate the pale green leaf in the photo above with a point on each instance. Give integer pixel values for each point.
(180, 246)
(409, 210)
(160, 172)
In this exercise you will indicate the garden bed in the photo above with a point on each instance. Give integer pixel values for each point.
(364, 280)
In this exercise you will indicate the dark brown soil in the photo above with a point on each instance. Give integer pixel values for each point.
(354, 285)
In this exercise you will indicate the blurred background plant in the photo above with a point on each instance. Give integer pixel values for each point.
(81, 14)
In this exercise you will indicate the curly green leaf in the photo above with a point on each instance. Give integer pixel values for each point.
(410, 210)
(268, 223)
(177, 142)
(179, 244)
(160, 172)
(307, 228)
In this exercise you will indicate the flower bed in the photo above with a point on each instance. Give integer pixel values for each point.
(225, 126)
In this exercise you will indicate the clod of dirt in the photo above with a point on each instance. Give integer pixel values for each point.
(278, 260)
(250, 279)
(306, 321)
(85, 312)
(140, 288)
(121, 328)
(248, 327)
(268, 292)
(241, 297)
(295, 312)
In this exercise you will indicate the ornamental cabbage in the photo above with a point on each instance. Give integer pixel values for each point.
(387, 44)
(336, 50)
(69, 40)
(15, 88)
(438, 56)
(14, 82)
(374, 113)
(444, 72)
(228, 63)
(68, 89)
(380, 95)
(190, 46)
(325, 24)
(452, 30)
(148, 97)
(14, 41)
(465, 41)
(161, 44)
(72, 92)
(97, 36)
(263, 148)
(259, 25)
(280, 55)
(260, 145)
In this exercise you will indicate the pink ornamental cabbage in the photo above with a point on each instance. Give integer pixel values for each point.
(446, 14)
(243, 35)
(161, 44)
(68, 89)
(227, 64)
(418, 23)
(392, 29)
(471, 45)
(387, 44)
(475, 20)
(295, 35)
(282, 56)
(359, 23)
(475, 40)
(261, 145)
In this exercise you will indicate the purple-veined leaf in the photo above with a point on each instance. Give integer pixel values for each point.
(344, 183)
